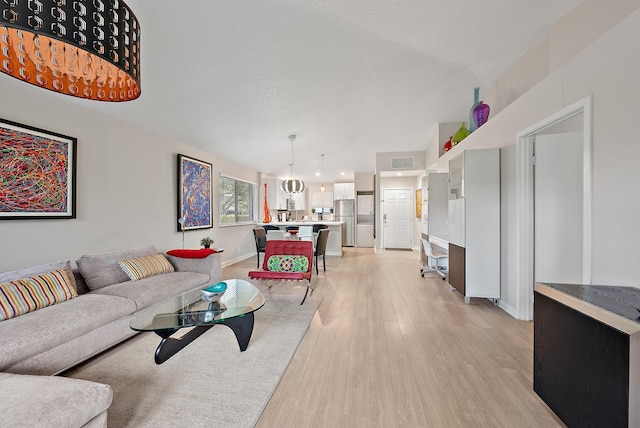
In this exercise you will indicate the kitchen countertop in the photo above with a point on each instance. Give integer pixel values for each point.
(334, 244)
(616, 306)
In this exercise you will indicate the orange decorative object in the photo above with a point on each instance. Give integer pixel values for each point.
(267, 214)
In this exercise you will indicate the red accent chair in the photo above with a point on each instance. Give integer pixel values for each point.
(288, 247)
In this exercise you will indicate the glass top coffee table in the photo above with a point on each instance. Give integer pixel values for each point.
(234, 309)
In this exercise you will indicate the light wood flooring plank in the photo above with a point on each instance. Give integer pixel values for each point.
(388, 348)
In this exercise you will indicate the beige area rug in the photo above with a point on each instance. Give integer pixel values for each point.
(208, 383)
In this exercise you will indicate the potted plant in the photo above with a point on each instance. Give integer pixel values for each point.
(206, 242)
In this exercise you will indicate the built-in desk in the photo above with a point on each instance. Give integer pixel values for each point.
(442, 244)
(586, 355)
(334, 243)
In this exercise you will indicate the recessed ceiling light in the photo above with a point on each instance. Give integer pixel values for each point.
(342, 173)
(398, 174)
(317, 174)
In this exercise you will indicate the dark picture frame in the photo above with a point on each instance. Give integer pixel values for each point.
(195, 184)
(37, 173)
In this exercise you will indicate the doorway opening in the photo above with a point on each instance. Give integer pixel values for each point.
(576, 118)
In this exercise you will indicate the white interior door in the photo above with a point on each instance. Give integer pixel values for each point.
(558, 208)
(396, 217)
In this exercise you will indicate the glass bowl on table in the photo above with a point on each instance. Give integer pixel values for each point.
(213, 292)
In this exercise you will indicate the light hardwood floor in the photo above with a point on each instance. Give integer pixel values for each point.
(388, 348)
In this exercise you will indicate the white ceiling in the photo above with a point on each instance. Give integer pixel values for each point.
(349, 78)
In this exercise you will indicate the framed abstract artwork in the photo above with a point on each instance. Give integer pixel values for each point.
(194, 194)
(419, 203)
(37, 173)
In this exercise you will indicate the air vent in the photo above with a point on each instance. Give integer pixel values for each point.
(402, 163)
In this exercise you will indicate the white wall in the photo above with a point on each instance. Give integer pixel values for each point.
(508, 294)
(126, 186)
(584, 25)
(607, 70)
(383, 163)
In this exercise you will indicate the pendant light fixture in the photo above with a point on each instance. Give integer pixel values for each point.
(322, 188)
(83, 48)
(292, 185)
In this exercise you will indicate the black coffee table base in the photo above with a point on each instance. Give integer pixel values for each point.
(241, 326)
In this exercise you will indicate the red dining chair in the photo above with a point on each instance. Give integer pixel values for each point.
(277, 267)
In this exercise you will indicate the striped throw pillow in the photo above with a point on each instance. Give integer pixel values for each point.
(287, 263)
(25, 295)
(144, 267)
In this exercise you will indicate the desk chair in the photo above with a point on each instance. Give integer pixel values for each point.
(260, 237)
(270, 227)
(272, 270)
(433, 261)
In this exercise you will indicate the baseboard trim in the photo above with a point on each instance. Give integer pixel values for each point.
(237, 259)
(509, 309)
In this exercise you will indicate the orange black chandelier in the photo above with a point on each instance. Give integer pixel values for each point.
(83, 48)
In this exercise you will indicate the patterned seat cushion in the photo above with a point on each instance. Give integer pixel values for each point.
(288, 263)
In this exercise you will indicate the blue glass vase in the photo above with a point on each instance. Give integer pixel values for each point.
(476, 100)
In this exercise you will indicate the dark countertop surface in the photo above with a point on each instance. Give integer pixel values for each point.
(623, 301)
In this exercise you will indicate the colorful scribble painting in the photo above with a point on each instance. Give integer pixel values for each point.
(37, 173)
(194, 194)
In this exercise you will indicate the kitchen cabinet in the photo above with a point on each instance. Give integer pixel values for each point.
(300, 200)
(344, 191)
(365, 204)
(276, 198)
(322, 199)
(364, 235)
(474, 223)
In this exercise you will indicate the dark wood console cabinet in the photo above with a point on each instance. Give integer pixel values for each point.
(457, 264)
(587, 353)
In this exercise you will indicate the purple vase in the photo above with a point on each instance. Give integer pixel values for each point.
(480, 114)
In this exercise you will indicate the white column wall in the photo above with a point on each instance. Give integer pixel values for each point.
(606, 70)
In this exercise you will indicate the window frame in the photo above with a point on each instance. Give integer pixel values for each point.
(251, 202)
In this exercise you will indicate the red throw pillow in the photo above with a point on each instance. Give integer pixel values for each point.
(192, 254)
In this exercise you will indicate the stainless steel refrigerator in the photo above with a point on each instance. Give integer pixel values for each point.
(344, 210)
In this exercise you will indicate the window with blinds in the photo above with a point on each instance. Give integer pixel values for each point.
(236, 201)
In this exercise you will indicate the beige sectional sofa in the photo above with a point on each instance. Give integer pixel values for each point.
(50, 340)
